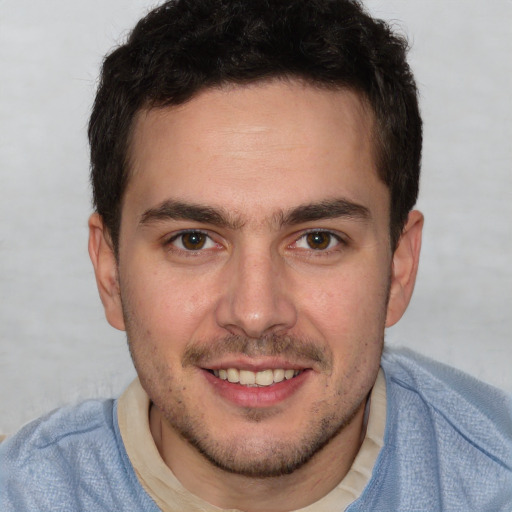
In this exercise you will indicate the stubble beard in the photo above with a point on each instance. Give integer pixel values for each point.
(254, 458)
(275, 459)
(238, 456)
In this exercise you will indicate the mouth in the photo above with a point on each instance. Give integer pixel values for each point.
(262, 378)
(260, 387)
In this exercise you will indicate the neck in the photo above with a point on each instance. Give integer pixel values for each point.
(226, 490)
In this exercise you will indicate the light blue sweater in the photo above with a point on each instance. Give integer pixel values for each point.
(447, 447)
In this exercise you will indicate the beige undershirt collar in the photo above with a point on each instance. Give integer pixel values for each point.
(168, 493)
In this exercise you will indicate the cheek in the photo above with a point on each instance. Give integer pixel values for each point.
(165, 308)
(348, 313)
(349, 301)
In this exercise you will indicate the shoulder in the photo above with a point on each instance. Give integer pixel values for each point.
(70, 459)
(457, 397)
(448, 440)
(62, 431)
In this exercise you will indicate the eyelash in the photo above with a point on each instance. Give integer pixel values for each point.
(210, 242)
(333, 237)
(170, 241)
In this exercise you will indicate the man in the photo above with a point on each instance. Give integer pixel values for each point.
(255, 165)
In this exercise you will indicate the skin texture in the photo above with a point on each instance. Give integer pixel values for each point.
(291, 268)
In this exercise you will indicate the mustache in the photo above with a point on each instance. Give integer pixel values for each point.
(297, 349)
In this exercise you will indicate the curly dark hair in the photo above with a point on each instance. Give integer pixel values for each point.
(185, 46)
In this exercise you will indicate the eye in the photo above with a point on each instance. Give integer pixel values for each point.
(192, 241)
(318, 241)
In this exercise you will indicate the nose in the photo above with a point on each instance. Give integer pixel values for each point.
(256, 300)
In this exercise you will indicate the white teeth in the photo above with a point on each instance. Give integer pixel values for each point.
(278, 375)
(265, 378)
(233, 375)
(262, 378)
(247, 377)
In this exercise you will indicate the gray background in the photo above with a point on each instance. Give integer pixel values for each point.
(56, 347)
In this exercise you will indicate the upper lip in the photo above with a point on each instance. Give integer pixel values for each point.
(256, 364)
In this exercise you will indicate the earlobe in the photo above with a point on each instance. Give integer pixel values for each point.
(404, 268)
(104, 262)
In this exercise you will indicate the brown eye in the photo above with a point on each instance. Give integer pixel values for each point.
(193, 241)
(318, 240)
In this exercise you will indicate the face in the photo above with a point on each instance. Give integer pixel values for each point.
(254, 271)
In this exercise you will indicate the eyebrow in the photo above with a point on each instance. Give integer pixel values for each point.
(327, 209)
(179, 210)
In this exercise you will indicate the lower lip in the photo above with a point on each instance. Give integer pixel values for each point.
(257, 397)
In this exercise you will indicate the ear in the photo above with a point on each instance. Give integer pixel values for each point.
(404, 268)
(104, 261)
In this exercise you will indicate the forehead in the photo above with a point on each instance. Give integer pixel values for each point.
(278, 143)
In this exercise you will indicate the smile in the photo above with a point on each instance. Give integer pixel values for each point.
(257, 379)
(257, 387)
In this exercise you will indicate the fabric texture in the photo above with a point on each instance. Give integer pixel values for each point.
(447, 447)
(68, 461)
(164, 488)
(448, 442)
